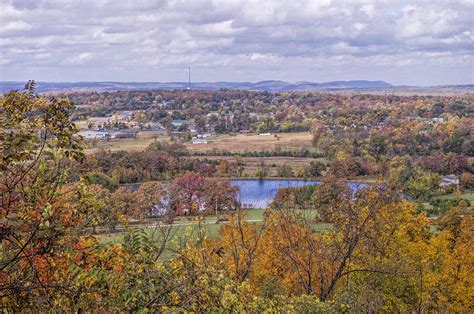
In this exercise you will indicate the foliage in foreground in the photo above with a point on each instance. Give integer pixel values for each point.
(379, 254)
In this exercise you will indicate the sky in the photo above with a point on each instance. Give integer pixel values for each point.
(419, 42)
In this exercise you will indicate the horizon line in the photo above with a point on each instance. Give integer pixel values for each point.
(248, 82)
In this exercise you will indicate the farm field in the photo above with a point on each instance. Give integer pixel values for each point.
(141, 142)
(81, 124)
(240, 143)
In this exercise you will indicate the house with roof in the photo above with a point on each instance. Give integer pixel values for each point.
(91, 135)
(178, 123)
(123, 134)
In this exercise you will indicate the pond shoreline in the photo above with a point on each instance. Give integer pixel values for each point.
(368, 181)
(261, 193)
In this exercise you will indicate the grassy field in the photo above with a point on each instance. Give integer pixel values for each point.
(240, 143)
(81, 124)
(185, 229)
(139, 143)
(186, 226)
(468, 194)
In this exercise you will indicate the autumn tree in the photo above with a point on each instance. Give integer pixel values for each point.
(262, 171)
(220, 196)
(36, 137)
(374, 243)
(315, 168)
(346, 167)
(377, 145)
(148, 195)
(285, 171)
(467, 180)
(191, 193)
(223, 168)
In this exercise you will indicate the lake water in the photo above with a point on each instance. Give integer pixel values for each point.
(260, 193)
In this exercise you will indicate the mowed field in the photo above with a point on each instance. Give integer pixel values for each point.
(189, 229)
(240, 143)
(187, 226)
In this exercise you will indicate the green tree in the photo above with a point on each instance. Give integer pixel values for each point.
(100, 178)
(285, 171)
(315, 168)
(262, 171)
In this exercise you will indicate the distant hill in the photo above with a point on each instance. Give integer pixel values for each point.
(271, 86)
(356, 86)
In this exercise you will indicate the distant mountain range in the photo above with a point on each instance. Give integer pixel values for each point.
(270, 86)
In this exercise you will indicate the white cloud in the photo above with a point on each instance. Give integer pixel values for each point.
(368, 9)
(236, 39)
(79, 59)
(15, 26)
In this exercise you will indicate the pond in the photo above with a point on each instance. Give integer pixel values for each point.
(260, 193)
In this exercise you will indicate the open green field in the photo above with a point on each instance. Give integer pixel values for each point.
(183, 226)
(188, 229)
(468, 194)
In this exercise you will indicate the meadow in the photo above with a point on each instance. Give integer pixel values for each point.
(141, 142)
(235, 143)
(185, 225)
(240, 143)
(189, 229)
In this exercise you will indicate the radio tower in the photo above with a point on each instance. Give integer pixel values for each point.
(189, 77)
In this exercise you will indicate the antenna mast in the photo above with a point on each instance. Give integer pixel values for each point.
(189, 77)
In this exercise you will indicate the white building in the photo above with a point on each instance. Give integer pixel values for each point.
(204, 135)
(91, 135)
(197, 140)
(123, 134)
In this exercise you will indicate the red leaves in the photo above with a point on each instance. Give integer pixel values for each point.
(192, 193)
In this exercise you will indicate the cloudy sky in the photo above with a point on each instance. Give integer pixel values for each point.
(426, 42)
